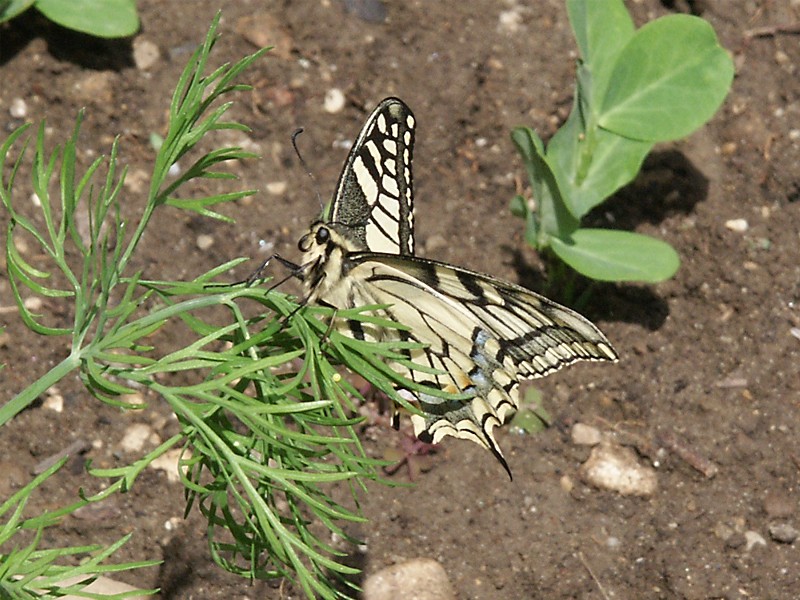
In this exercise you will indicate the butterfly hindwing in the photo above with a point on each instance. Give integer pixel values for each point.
(483, 333)
(374, 195)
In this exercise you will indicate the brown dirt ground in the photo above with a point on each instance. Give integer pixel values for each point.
(707, 358)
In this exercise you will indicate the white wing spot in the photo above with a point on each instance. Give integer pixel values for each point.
(390, 146)
(367, 183)
(390, 185)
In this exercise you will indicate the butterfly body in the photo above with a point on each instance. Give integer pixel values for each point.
(480, 335)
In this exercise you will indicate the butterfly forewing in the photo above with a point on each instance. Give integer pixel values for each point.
(374, 196)
(480, 335)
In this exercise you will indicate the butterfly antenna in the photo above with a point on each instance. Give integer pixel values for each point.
(305, 166)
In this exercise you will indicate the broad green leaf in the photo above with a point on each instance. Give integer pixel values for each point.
(612, 162)
(101, 18)
(601, 31)
(610, 255)
(669, 80)
(9, 10)
(555, 218)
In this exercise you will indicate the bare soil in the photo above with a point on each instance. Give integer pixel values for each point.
(709, 368)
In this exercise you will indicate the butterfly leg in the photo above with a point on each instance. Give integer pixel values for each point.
(295, 271)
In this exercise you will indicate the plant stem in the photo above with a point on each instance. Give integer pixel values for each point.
(27, 396)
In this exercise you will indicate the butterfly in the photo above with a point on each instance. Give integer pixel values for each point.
(480, 335)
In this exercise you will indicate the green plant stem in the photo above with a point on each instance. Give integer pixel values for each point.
(27, 396)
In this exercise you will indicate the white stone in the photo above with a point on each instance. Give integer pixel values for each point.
(54, 400)
(334, 101)
(205, 241)
(737, 225)
(18, 108)
(169, 463)
(420, 579)
(135, 437)
(585, 435)
(145, 53)
(277, 188)
(616, 468)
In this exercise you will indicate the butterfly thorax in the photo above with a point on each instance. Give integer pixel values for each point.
(325, 264)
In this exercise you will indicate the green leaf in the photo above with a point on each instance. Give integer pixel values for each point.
(9, 10)
(554, 216)
(601, 31)
(610, 255)
(102, 18)
(614, 161)
(669, 79)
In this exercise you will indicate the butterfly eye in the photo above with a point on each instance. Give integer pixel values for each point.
(323, 235)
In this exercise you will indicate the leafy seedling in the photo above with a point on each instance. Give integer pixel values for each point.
(634, 88)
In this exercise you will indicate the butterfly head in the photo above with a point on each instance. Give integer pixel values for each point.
(325, 250)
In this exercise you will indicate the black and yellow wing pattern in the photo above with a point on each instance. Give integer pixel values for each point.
(481, 335)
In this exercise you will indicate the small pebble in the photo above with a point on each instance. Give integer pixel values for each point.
(169, 463)
(585, 435)
(54, 400)
(420, 578)
(18, 108)
(737, 225)
(753, 539)
(205, 241)
(613, 543)
(33, 303)
(616, 468)
(510, 21)
(145, 53)
(277, 188)
(135, 437)
(783, 533)
(334, 101)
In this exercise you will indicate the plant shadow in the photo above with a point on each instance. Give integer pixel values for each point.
(64, 44)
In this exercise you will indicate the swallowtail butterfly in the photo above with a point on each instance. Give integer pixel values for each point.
(482, 334)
